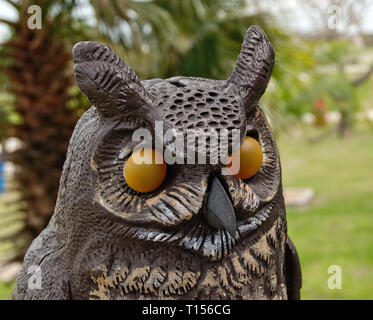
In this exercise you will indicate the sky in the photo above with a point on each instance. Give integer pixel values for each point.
(6, 12)
(289, 13)
(296, 16)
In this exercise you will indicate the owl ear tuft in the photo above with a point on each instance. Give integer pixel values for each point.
(254, 66)
(107, 81)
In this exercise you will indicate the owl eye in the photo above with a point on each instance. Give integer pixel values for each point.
(142, 172)
(251, 158)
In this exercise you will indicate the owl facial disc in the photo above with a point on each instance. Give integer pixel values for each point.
(219, 210)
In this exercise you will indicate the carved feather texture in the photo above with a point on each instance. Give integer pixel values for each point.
(254, 65)
(257, 267)
(107, 81)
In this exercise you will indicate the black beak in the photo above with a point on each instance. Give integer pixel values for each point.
(219, 210)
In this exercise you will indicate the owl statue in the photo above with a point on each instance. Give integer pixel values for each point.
(180, 230)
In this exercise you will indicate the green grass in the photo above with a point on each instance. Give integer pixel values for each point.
(6, 290)
(336, 227)
(9, 212)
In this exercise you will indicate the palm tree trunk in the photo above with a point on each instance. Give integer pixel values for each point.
(41, 80)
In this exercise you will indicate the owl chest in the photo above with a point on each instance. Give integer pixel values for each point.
(252, 271)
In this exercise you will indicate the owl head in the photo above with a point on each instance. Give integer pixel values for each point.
(195, 207)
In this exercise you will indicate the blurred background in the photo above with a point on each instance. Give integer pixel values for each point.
(319, 103)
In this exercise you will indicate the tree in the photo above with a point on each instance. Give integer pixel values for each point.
(199, 37)
(37, 64)
(332, 82)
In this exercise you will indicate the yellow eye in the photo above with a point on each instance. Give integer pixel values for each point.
(251, 158)
(142, 172)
